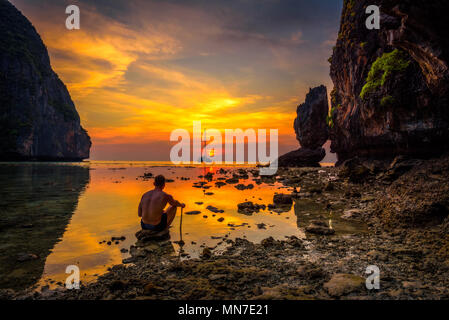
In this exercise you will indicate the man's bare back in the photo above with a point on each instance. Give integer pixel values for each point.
(152, 204)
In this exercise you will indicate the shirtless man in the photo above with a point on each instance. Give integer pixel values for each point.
(152, 204)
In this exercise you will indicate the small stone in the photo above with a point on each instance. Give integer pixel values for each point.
(207, 253)
(319, 227)
(342, 284)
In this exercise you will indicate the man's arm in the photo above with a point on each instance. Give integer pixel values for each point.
(139, 211)
(174, 202)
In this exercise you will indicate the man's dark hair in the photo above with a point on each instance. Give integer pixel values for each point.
(159, 181)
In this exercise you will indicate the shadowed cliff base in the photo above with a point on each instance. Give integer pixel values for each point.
(38, 201)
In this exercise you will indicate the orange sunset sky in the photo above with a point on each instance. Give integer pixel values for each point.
(137, 70)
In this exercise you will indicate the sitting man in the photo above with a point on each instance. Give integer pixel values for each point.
(152, 204)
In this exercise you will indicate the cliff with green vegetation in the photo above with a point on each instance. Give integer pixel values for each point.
(391, 85)
(38, 120)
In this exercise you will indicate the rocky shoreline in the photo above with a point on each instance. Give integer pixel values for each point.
(404, 204)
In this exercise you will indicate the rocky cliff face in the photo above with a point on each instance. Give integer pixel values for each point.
(391, 85)
(38, 119)
(311, 130)
(310, 125)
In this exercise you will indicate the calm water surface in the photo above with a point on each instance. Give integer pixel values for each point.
(63, 212)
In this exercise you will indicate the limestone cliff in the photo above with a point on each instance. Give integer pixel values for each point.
(311, 130)
(391, 85)
(38, 119)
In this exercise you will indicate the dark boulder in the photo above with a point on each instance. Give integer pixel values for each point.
(302, 158)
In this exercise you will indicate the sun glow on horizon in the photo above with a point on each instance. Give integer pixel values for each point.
(136, 78)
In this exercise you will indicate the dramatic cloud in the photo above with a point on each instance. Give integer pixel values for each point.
(139, 69)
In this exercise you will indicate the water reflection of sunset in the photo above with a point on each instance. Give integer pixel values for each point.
(109, 208)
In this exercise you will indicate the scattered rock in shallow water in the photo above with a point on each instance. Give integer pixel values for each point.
(206, 254)
(220, 219)
(354, 170)
(199, 203)
(342, 284)
(208, 193)
(128, 260)
(249, 207)
(241, 186)
(194, 212)
(261, 225)
(319, 227)
(268, 242)
(117, 285)
(232, 180)
(214, 209)
(219, 184)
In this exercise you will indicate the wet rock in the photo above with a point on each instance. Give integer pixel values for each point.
(221, 219)
(282, 199)
(249, 207)
(123, 250)
(243, 187)
(342, 284)
(199, 203)
(319, 227)
(219, 184)
(268, 242)
(399, 166)
(117, 285)
(22, 257)
(194, 212)
(232, 180)
(206, 254)
(261, 225)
